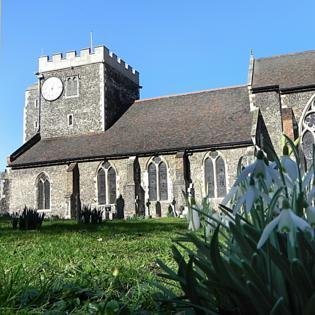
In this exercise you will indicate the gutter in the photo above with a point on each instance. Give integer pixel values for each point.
(276, 88)
(231, 145)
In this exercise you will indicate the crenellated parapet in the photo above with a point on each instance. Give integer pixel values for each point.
(85, 57)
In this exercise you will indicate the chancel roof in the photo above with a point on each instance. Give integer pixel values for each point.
(208, 119)
(286, 72)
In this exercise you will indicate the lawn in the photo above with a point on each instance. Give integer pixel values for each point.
(69, 268)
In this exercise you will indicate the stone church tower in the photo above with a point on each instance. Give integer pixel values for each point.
(84, 94)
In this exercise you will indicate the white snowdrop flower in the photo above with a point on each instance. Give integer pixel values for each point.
(290, 167)
(249, 197)
(259, 169)
(234, 189)
(288, 182)
(307, 178)
(311, 195)
(286, 222)
(310, 212)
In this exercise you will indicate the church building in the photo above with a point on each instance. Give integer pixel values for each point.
(90, 140)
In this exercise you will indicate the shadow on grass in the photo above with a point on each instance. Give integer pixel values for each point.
(131, 227)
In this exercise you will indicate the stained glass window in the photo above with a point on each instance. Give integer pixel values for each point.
(308, 131)
(47, 194)
(308, 141)
(43, 192)
(220, 177)
(40, 195)
(101, 186)
(163, 181)
(215, 176)
(209, 178)
(152, 182)
(111, 185)
(310, 120)
(106, 184)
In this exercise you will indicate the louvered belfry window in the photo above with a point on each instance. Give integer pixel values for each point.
(72, 86)
(158, 180)
(106, 184)
(215, 176)
(43, 192)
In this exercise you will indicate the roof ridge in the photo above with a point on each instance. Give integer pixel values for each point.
(288, 54)
(191, 93)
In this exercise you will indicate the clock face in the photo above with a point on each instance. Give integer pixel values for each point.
(52, 88)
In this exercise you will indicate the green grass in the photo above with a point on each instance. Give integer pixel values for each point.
(70, 268)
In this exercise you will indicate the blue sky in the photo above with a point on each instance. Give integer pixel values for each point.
(176, 45)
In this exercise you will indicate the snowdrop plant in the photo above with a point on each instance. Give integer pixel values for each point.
(263, 260)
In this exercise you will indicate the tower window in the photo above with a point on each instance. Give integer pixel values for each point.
(72, 86)
(35, 124)
(36, 103)
(70, 120)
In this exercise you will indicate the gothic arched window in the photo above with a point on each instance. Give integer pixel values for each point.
(158, 184)
(308, 131)
(106, 184)
(215, 176)
(163, 181)
(152, 182)
(220, 177)
(43, 192)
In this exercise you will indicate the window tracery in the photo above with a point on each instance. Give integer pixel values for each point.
(308, 131)
(215, 176)
(43, 192)
(158, 181)
(106, 184)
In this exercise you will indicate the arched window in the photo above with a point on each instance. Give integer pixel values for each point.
(43, 192)
(163, 181)
(220, 177)
(152, 182)
(308, 131)
(106, 184)
(215, 176)
(158, 185)
(209, 178)
(72, 86)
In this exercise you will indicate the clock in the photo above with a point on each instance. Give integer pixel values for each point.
(52, 88)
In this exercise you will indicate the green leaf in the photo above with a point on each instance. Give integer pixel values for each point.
(262, 305)
(279, 308)
(310, 306)
(302, 280)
